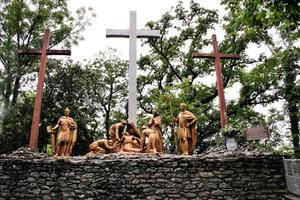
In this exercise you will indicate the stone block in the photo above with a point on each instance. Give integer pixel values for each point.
(203, 195)
(206, 174)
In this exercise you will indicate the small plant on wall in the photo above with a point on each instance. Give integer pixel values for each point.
(230, 131)
(232, 134)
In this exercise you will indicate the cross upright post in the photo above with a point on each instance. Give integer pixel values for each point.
(132, 34)
(39, 92)
(217, 57)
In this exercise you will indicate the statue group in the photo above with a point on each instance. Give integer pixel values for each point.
(125, 137)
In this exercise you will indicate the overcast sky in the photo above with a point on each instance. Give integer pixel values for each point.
(115, 14)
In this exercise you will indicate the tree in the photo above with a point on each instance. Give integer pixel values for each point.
(274, 24)
(22, 24)
(107, 85)
(169, 70)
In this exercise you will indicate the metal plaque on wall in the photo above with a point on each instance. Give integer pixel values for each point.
(257, 133)
(231, 144)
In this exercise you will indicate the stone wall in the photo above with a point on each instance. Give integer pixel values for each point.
(116, 176)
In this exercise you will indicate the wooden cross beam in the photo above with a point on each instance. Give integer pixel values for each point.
(217, 57)
(39, 92)
(132, 33)
(36, 52)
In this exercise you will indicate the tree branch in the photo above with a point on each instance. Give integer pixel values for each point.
(167, 60)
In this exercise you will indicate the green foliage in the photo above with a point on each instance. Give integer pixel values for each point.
(16, 124)
(274, 24)
(22, 26)
(230, 131)
(284, 150)
(169, 70)
(107, 85)
(48, 150)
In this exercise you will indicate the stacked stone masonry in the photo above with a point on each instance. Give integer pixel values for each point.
(116, 176)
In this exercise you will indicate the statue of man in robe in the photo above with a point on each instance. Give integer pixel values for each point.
(186, 132)
(66, 136)
(116, 131)
(155, 123)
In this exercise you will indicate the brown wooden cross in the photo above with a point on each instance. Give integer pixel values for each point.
(39, 92)
(218, 56)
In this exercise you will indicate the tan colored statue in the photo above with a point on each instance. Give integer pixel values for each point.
(186, 132)
(52, 139)
(154, 141)
(155, 123)
(123, 137)
(130, 143)
(66, 136)
(103, 146)
(116, 131)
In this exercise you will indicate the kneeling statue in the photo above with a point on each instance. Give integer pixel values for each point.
(154, 140)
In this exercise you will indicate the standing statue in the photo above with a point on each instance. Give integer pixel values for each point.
(66, 136)
(154, 140)
(155, 123)
(186, 131)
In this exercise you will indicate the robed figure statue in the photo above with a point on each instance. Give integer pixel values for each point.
(186, 132)
(155, 123)
(66, 135)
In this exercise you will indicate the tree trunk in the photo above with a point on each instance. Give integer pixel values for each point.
(107, 115)
(294, 121)
(8, 89)
(16, 90)
(291, 98)
(7, 95)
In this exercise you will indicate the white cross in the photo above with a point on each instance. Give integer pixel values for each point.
(132, 34)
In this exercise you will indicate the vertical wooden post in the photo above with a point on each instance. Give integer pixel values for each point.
(217, 58)
(221, 96)
(39, 95)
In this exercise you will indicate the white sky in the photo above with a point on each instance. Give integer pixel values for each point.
(115, 14)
